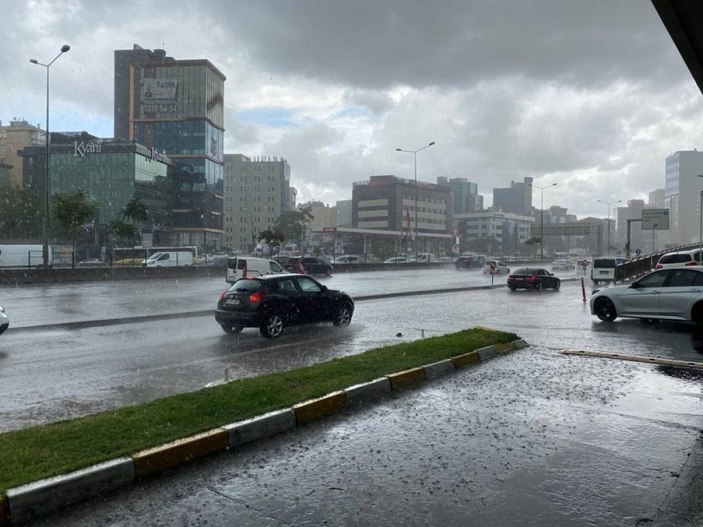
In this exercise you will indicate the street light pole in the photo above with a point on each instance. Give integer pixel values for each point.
(607, 249)
(414, 153)
(700, 231)
(45, 223)
(541, 218)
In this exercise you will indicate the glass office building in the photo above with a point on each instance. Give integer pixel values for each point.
(112, 172)
(177, 107)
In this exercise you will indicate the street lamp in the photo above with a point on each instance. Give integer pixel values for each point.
(414, 153)
(607, 250)
(251, 222)
(541, 218)
(45, 223)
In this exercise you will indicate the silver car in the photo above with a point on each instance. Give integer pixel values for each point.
(666, 294)
(4, 320)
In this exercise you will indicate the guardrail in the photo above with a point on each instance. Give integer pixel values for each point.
(637, 267)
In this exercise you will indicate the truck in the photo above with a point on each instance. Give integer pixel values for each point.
(22, 255)
(171, 258)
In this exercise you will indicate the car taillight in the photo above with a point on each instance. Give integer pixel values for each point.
(255, 297)
(531, 278)
(222, 295)
(692, 263)
(658, 266)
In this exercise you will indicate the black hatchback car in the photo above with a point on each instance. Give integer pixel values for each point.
(273, 302)
(533, 278)
(308, 265)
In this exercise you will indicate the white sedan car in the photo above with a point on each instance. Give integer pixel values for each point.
(666, 294)
(496, 267)
(4, 320)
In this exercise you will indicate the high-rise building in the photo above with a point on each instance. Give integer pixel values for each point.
(177, 107)
(13, 138)
(682, 188)
(516, 199)
(256, 192)
(465, 194)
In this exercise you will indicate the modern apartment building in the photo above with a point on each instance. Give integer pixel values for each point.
(683, 190)
(13, 138)
(256, 192)
(177, 107)
(504, 232)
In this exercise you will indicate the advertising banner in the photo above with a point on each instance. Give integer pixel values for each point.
(159, 89)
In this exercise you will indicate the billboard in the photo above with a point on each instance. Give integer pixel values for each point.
(159, 89)
(655, 219)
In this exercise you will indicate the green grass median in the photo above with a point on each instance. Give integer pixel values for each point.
(43, 451)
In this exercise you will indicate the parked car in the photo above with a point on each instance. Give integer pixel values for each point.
(274, 302)
(4, 320)
(468, 262)
(679, 259)
(308, 265)
(667, 294)
(92, 262)
(396, 260)
(347, 259)
(496, 267)
(562, 265)
(533, 278)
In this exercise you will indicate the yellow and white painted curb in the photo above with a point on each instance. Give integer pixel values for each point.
(32, 500)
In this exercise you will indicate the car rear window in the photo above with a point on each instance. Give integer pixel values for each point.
(246, 285)
(608, 263)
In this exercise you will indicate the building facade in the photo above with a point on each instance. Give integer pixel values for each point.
(503, 233)
(682, 188)
(465, 194)
(13, 138)
(112, 172)
(392, 203)
(177, 107)
(256, 192)
(517, 199)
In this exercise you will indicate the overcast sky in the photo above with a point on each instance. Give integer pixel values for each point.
(591, 95)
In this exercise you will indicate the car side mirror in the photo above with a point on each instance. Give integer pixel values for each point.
(324, 288)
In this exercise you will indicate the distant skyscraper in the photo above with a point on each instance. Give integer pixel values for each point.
(516, 199)
(177, 107)
(465, 194)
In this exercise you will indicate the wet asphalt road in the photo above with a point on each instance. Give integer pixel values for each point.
(533, 438)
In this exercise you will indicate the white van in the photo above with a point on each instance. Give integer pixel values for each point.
(242, 266)
(170, 259)
(603, 269)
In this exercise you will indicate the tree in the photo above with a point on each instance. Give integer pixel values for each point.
(126, 224)
(273, 238)
(20, 213)
(291, 223)
(74, 212)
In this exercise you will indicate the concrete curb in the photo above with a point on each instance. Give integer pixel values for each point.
(635, 358)
(25, 502)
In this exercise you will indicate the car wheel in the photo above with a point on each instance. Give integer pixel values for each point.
(557, 286)
(231, 329)
(343, 315)
(512, 288)
(605, 310)
(538, 286)
(272, 325)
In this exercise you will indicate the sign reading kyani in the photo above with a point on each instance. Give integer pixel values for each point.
(84, 148)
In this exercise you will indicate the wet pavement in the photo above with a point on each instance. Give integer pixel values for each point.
(532, 438)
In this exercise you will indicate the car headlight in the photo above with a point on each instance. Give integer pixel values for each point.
(2, 309)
